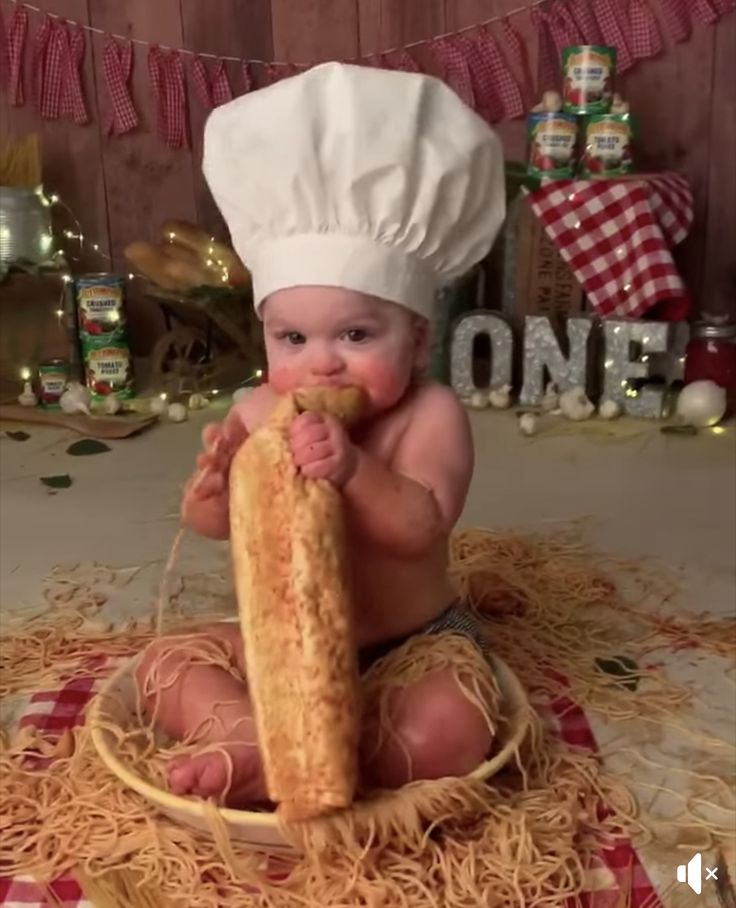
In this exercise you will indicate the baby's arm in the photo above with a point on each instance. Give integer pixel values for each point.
(205, 503)
(417, 499)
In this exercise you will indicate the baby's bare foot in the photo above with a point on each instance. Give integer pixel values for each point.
(207, 775)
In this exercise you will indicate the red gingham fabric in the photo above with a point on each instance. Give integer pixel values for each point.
(4, 53)
(562, 26)
(616, 236)
(724, 6)
(611, 16)
(676, 19)
(247, 79)
(705, 11)
(275, 72)
(54, 62)
(645, 38)
(38, 60)
(456, 69)
(54, 711)
(72, 94)
(117, 65)
(13, 50)
(583, 14)
(166, 72)
(516, 53)
(403, 61)
(211, 91)
(501, 82)
(548, 71)
(486, 101)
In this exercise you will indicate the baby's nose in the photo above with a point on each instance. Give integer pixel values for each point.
(326, 362)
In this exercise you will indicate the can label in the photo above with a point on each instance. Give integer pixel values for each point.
(587, 84)
(552, 140)
(608, 141)
(107, 366)
(100, 303)
(53, 377)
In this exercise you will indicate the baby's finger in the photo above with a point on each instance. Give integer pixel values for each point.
(311, 434)
(306, 454)
(210, 434)
(207, 485)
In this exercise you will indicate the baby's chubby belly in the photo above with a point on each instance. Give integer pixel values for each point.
(393, 597)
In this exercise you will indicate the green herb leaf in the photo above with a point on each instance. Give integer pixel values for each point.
(625, 670)
(18, 436)
(57, 482)
(87, 446)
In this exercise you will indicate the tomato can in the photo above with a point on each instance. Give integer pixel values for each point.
(588, 72)
(608, 145)
(107, 366)
(552, 140)
(53, 377)
(100, 304)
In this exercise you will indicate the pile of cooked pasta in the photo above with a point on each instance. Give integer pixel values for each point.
(578, 629)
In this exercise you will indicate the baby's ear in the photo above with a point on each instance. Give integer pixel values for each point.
(421, 330)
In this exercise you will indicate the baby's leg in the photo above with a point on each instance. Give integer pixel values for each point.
(208, 704)
(437, 732)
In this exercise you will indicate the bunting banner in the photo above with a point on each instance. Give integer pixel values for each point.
(487, 64)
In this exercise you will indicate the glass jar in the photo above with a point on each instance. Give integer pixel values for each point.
(25, 226)
(711, 355)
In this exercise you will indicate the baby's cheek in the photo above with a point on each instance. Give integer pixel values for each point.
(283, 379)
(384, 384)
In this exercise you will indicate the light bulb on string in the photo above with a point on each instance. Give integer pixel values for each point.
(25, 373)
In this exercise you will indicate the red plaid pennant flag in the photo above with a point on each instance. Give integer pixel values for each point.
(705, 11)
(614, 31)
(676, 19)
(211, 91)
(12, 53)
(276, 72)
(53, 64)
(117, 65)
(247, 78)
(585, 18)
(516, 53)
(72, 94)
(501, 84)
(38, 59)
(724, 6)
(548, 64)
(456, 70)
(403, 61)
(564, 31)
(4, 52)
(646, 40)
(166, 72)
(485, 98)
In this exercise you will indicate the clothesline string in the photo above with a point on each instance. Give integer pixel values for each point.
(192, 53)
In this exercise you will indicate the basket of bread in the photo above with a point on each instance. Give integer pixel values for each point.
(186, 260)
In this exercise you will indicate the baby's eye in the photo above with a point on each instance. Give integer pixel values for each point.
(293, 337)
(356, 335)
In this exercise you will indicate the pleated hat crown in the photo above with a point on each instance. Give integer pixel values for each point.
(378, 181)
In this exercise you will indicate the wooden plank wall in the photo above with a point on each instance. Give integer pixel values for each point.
(120, 189)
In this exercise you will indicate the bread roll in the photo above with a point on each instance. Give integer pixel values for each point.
(288, 550)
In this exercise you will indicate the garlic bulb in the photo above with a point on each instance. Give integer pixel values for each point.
(177, 412)
(75, 399)
(551, 399)
(609, 409)
(112, 405)
(478, 400)
(197, 401)
(158, 405)
(575, 405)
(27, 398)
(618, 105)
(552, 102)
(500, 398)
(528, 424)
(702, 403)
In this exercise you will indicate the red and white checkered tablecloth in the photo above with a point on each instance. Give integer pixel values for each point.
(54, 711)
(617, 236)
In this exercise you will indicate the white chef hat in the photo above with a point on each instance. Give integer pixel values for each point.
(348, 176)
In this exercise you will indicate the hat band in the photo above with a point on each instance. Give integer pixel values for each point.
(354, 262)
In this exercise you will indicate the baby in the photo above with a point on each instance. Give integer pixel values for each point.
(405, 468)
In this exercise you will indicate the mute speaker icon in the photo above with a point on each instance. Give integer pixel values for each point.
(692, 873)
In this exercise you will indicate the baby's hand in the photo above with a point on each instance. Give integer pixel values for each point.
(205, 500)
(322, 449)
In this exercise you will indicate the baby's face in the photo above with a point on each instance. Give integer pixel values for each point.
(330, 336)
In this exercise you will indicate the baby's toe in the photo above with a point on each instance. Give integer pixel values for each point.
(182, 775)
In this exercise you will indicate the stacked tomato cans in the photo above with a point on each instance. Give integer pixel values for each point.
(588, 131)
(103, 335)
